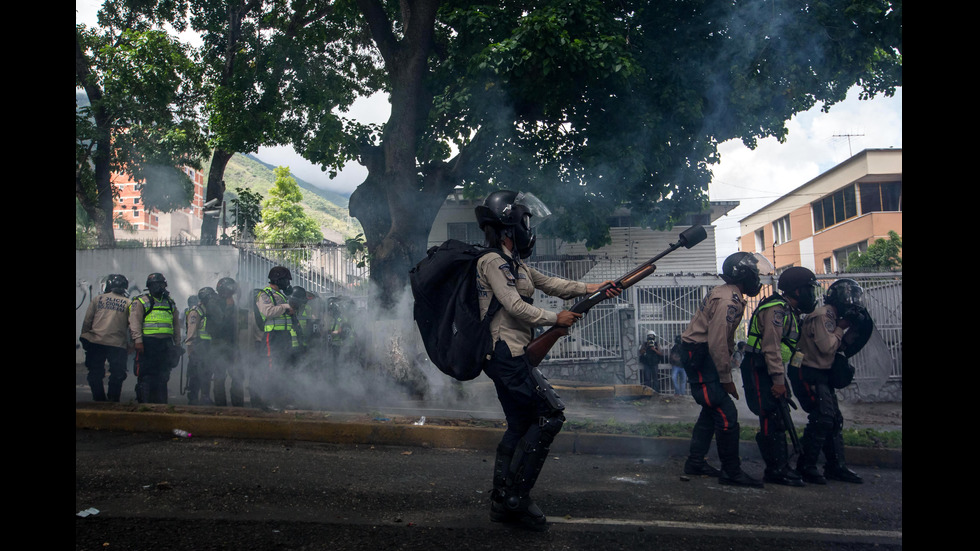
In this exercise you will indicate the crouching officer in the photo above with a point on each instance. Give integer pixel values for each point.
(707, 347)
(824, 345)
(105, 335)
(533, 410)
(155, 333)
(774, 332)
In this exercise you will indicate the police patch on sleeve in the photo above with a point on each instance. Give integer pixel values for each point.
(830, 322)
(505, 268)
(732, 314)
(778, 318)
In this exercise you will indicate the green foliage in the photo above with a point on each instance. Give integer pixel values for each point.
(358, 250)
(881, 256)
(283, 219)
(140, 118)
(247, 209)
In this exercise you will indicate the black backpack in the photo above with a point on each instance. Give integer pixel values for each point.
(447, 308)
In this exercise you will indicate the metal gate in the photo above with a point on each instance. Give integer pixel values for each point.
(665, 304)
(325, 269)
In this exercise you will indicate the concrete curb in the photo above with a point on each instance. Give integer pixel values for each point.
(432, 436)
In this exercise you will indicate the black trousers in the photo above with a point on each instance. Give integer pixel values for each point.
(152, 367)
(96, 356)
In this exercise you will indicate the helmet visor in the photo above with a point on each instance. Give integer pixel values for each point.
(760, 262)
(536, 208)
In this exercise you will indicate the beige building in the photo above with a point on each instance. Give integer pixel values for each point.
(820, 223)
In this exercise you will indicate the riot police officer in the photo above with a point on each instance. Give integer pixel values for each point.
(155, 333)
(774, 331)
(276, 315)
(104, 336)
(829, 335)
(707, 347)
(223, 327)
(533, 410)
(198, 346)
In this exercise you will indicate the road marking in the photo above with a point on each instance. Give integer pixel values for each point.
(794, 530)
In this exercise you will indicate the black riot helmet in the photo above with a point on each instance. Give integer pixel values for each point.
(207, 295)
(800, 283)
(744, 269)
(515, 215)
(280, 277)
(227, 287)
(846, 296)
(156, 285)
(116, 283)
(298, 298)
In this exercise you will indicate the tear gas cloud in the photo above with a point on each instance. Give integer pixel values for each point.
(381, 367)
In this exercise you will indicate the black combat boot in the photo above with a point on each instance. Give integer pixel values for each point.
(700, 443)
(806, 464)
(731, 466)
(835, 469)
(774, 453)
(501, 468)
(115, 390)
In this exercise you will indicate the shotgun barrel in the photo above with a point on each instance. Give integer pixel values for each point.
(538, 348)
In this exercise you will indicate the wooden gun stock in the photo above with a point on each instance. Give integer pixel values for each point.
(538, 348)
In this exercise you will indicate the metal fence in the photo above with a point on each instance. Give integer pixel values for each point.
(325, 269)
(665, 304)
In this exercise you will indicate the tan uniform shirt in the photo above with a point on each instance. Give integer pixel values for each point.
(193, 329)
(136, 323)
(106, 322)
(515, 321)
(771, 322)
(820, 337)
(715, 323)
(272, 307)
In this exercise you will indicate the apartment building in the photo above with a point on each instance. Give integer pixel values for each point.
(818, 224)
(141, 223)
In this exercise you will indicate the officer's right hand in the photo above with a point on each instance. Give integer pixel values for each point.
(138, 347)
(779, 391)
(566, 318)
(731, 389)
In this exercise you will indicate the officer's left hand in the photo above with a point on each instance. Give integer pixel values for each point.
(779, 391)
(731, 389)
(612, 291)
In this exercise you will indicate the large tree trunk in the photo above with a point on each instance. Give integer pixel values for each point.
(215, 190)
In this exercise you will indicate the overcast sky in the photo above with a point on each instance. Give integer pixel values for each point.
(817, 141)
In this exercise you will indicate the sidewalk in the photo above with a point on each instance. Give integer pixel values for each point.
(473, 422)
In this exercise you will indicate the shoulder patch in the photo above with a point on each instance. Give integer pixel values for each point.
(830, 321)
(778, 318)
(733, 313)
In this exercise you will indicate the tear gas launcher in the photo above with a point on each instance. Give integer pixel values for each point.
(538, 348)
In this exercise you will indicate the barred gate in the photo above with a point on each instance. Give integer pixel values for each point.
(325, 269)
(665, 304)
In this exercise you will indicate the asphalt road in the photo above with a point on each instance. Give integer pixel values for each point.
(156, 492)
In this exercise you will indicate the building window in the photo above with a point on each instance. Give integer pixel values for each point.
(780, 230)
(760, 240)
(881, 196)
(840, 255)
(828, 268)
(467, 232)
(835, 208)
